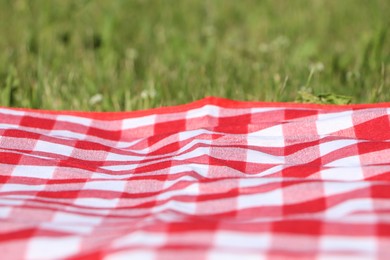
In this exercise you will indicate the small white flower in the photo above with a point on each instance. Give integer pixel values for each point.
(317, 67)
(97, 98)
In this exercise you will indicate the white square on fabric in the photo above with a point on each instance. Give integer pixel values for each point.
(131, 123)
(179, 206)
(231, 255)
(52, 247)
(350, 161)
(115, 168)
(105, 185)
(5, 211)
(67, 134)
(54, 148)
(331, 146)
(141, 238)
(97, 203)
(75, 223)
(270, 198)
(80, 229)
(207, 110)
(342, 174)
(75, 119)
(335, 244)
(260, 157)
(185, 135)
(226, 239)
(276, 130)
(333, 122)
(123, 157)
(200, 169)
(341, 256)
(347, 208)
(10, 187)
(255, 110)
(333, 188)
(191, 190)
(12, 112)
(199, 151)
(132, 254)
(74, 218)
(41, 172)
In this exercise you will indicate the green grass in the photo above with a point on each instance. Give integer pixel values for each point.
(126, 55)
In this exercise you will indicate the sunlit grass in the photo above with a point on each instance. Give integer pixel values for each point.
(127, 55)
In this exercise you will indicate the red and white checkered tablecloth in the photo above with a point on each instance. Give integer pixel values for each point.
(213, 179)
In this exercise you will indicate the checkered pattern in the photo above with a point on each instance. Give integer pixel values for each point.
(214, 179)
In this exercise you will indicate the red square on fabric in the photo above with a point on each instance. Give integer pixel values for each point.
(169, 127)
(309, 227)
(111, 135)
(37, 122)
(374, 129)
(291, 114)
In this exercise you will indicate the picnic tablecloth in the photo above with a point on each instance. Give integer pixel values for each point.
(213, 179)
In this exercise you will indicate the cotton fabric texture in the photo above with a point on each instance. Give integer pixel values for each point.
(213, 179)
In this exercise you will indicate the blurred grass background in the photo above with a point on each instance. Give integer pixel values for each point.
(126, 55)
